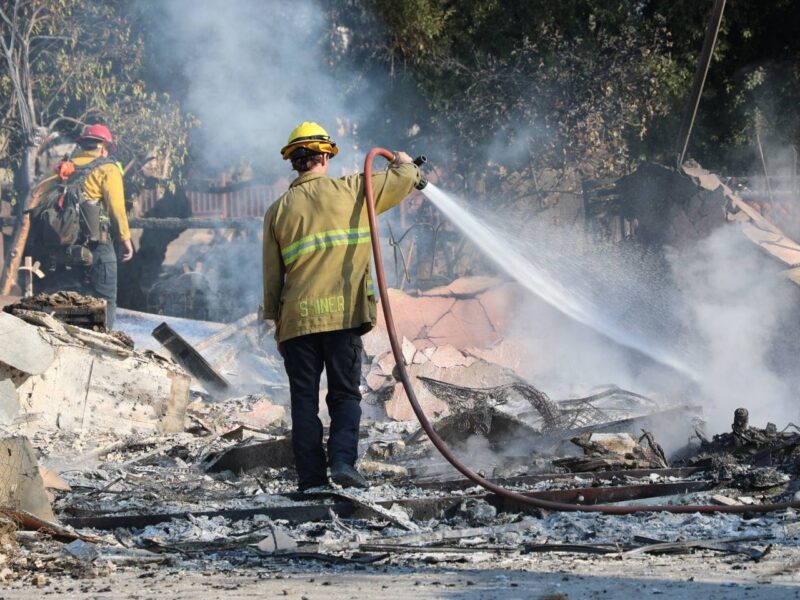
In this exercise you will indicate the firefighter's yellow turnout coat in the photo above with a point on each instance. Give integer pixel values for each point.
(316, 253)
(102, 184)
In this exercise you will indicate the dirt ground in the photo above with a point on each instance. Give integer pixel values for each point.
(702, 576)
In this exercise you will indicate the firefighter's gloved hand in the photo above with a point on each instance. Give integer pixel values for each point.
(401, 157)
(127, 250)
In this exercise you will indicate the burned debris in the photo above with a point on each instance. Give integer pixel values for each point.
(183, 475)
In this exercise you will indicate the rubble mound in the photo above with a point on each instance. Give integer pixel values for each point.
(66, 306)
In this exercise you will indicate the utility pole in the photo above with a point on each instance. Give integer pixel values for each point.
(699, 80)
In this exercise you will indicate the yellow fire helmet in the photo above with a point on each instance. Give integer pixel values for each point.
(310, 136)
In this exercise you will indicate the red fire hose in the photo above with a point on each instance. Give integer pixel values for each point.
(442, 447)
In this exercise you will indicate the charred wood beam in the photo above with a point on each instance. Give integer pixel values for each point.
(603, 495)
(462, 484)
(195, 223)
(267, 454)
(302, 510)
(176, 222)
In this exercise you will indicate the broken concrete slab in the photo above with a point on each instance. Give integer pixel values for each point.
(262, 415)
(423, 344)
(500, 304)
(412, 314)
(466, 324)
(376, 381)
(376, 342)
(21, 485)
(409, 350)
(399, 408)
(22, 347)
(420, 358)
(385, 363)
(53, 481)
(96, 383)
(508, 352)
(470, 312)
(447, 356)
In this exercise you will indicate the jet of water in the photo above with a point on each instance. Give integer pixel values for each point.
(538, 280)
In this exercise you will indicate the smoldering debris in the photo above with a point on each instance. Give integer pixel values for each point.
(222, 484)
(68, 307)
(165, 501)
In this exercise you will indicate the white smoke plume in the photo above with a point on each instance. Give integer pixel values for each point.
(718, 311)
(739, 306)
(253, 70)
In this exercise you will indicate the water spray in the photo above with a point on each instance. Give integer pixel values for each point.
(439, 443)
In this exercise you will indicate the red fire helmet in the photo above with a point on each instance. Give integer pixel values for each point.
(98, 132)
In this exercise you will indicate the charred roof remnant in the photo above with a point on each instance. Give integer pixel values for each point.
(662, 206)
(472, 398)
(189, 358)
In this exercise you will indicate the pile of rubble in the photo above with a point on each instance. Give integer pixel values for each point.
(120, 456)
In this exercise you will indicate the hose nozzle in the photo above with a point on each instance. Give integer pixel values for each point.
(419, 161)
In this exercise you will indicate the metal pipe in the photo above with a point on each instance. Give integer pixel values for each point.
(699, 80)
(764, 166)
(439, 443)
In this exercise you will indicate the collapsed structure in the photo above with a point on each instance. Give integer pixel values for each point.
(179, 467)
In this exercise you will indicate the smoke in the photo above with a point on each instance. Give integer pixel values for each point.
(740, 308)
(251, 70)
(709, 325)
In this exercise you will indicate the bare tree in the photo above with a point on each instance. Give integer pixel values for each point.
(69, 62)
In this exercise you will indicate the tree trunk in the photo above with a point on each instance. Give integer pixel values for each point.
(17, 246)
(28, 176)
(26, 191)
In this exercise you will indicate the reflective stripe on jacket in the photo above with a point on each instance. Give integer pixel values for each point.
(317, 253)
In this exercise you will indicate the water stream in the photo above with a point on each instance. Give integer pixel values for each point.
(540, 279)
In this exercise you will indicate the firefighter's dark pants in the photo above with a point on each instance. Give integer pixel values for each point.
(339, 352)
(101, 279)
(98, 280)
